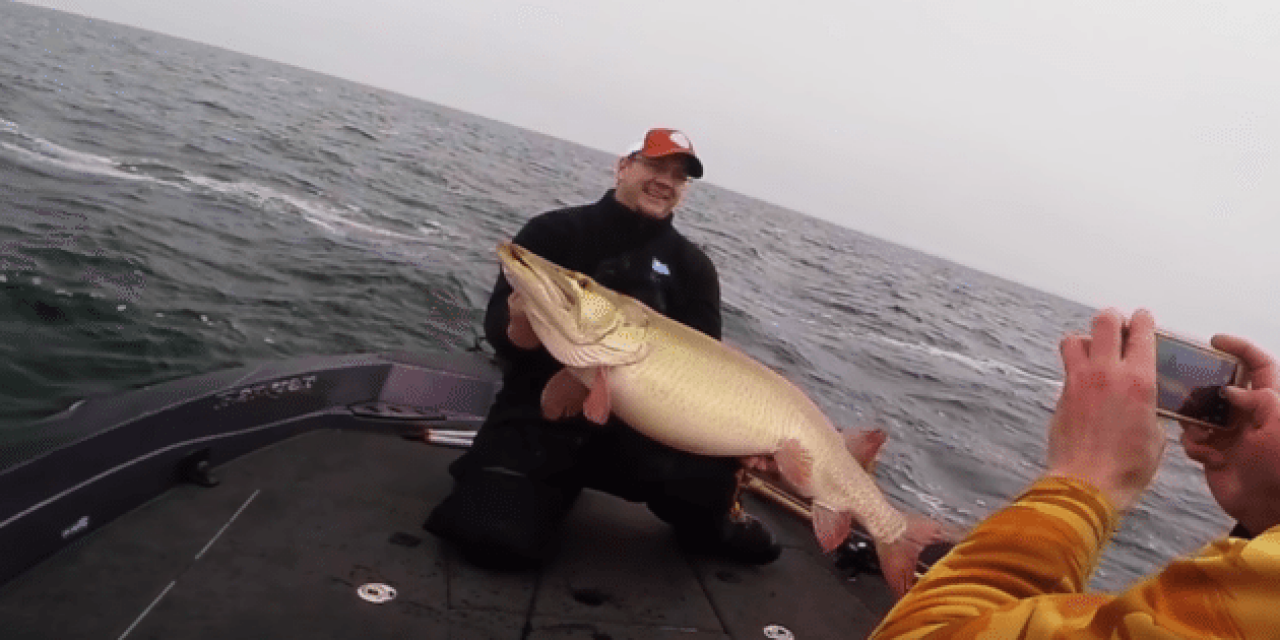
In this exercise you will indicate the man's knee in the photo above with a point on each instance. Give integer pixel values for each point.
(501, 519)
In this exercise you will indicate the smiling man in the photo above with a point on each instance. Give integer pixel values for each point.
(653, 175)
(517, 482)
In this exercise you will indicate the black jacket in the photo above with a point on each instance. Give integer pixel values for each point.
(626, 251)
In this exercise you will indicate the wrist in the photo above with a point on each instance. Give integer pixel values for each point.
(1116, 480)
(1108, 503)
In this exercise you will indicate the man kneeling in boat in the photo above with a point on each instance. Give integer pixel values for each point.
(523, 473)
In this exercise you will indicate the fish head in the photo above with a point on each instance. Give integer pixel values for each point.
(581, 322)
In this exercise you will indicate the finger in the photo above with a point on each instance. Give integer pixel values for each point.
(1191, 432)
(1261, 404)
(1106, 335)
(1140, 347)
(1075, 352)
(1192, 428)
(1202, 444)
(1260, 366)
(515, 304)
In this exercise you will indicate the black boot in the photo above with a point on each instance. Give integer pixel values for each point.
(737, 536)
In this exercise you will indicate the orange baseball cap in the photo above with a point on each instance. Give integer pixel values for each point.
(664, 142)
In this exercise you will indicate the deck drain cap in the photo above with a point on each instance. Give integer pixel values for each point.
(778, 632)
(376, 593)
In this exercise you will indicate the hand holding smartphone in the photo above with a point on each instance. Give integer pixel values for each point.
(1189, 377)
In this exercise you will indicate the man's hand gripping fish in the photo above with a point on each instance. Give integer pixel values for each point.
(694, 393)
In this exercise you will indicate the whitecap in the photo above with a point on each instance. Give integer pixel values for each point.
(333, 219)
(984, 365)
(50, 154)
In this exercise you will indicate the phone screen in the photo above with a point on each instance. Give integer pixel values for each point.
(1188, 379)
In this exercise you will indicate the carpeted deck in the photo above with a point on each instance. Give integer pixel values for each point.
(279, 549)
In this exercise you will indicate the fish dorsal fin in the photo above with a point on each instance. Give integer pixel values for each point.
(598, 403)
(564, 396)
(795, 463)
(864, 445)
(831, 527)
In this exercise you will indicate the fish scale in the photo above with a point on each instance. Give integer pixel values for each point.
(697, 394)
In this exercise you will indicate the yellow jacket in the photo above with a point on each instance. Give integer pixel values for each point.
(1020, 574)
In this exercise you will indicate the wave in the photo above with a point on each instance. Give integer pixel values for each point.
(346, 128)
(335, 219)
(977, 363)
(38, 151)
(218, 107)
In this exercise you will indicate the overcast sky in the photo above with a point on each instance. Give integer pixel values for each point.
(1115, 153)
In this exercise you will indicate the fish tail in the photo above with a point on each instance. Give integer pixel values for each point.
(898, 559)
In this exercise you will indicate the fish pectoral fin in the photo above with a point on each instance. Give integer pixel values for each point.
(795, 463)
(831, 527)
(563, 396)
(598, 403)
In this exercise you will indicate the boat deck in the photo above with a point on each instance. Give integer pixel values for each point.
(281, 546)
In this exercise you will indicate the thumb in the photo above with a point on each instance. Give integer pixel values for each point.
(1261, 403)
(515, 304)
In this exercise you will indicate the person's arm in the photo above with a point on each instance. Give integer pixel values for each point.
(1020, 574)
(1104, 447)
(497, 318)
(1004, 575)
(702, 306)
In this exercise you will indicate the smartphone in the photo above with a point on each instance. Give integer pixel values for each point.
(1189, 377)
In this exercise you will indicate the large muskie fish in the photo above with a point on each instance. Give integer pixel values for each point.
(694, 393)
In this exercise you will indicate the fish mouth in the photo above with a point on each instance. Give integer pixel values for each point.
(513, 255)
(522, 265)
(521, 256)
(513, 252)
(567, 303)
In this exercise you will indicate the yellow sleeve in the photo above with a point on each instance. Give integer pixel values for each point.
(1021, 572)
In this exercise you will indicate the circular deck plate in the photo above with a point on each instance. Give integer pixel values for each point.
(778, 632)
(376, 593)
